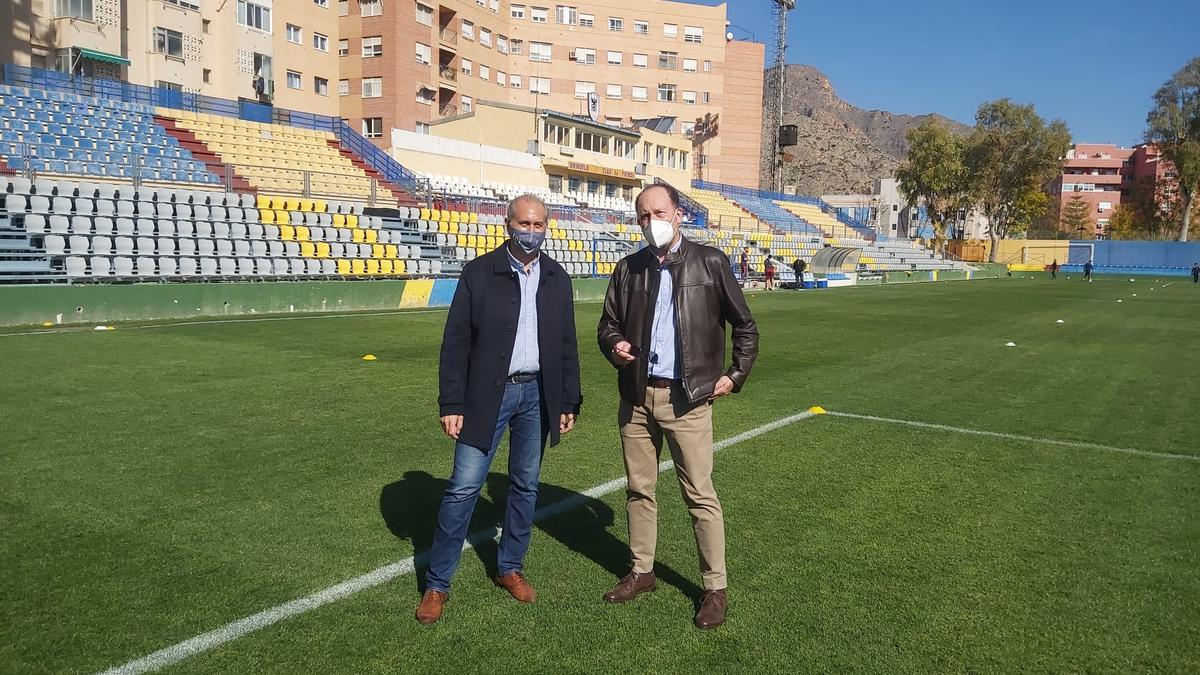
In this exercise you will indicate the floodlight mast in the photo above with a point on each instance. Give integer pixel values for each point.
(781, 7)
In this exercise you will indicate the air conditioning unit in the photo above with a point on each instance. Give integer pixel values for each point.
(640, 168)
(564, 150)
(571, 56)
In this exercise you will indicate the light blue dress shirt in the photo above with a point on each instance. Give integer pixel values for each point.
(526, 357)
(663, 331)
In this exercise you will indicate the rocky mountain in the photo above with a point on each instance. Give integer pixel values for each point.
(841, 148)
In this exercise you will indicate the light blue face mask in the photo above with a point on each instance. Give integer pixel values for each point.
(528, 241)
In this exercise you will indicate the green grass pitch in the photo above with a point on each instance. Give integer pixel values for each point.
(159, 483)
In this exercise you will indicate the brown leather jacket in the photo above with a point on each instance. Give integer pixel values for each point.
(706, 297)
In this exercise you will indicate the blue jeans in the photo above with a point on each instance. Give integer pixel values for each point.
(521, 413)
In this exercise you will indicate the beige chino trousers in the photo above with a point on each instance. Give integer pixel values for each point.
(687, 429)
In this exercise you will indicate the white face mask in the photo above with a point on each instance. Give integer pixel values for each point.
(659, 233)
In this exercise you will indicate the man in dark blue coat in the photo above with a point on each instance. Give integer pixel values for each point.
(509, 361)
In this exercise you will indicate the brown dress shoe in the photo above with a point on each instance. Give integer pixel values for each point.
(430, 609)
(517, 586)
(713, 606)
(633, 585)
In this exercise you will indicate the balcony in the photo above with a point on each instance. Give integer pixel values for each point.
(448, 36)
(449, 76)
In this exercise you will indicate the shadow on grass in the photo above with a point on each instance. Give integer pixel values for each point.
(409, 508)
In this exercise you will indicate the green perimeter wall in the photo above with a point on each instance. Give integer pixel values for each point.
(31, 305)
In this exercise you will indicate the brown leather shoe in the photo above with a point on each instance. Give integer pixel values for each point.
(713, 606)
(633, 585)
(517, 586)
(430, 609)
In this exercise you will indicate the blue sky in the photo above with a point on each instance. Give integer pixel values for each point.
(1094, 64)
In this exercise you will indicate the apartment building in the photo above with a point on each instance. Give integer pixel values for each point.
(408, 63)
(1103, 175)
(281, 52)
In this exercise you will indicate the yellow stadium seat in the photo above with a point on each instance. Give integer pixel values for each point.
(358, 266)
(426, 214)
(287, 233)
(322, 249)
(282, 217)
(351, 220)
(266, 215)
(356, 236)
(262, 202)
(389, 251)
(372, 266)
(307, 249)
(343, 266)
(385, 266)
(473, 217)
(339, 220)
(319, 206)
(302, 233)
(377, 250)
(436, 214)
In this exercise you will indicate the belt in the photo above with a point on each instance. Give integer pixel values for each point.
(521, 378)
(660, 383)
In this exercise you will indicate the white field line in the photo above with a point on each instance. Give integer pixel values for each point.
(1083, 445)
(244, 626)
(218, 322)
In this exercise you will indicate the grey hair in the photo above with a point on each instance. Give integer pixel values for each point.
(512, 206)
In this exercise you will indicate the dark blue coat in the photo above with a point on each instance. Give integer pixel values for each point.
(477, 345)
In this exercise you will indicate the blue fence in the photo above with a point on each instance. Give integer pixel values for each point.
(1156, 255)
(151, 97)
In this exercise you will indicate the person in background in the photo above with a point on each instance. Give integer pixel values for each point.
(1054, 269)
(1196, 273)
(1087, 271)
(798, 266)
(769, 272)
(745, 265)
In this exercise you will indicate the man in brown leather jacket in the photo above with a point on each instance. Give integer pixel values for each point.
(663, 327)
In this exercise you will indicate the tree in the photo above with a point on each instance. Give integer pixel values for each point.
(1012, 154)
(1174, 126)
(1077, 217)
(933, 175)
(1124, 224)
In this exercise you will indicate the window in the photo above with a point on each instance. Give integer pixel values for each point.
(320, 86)
(707, 66)
(614, 58)
(343, 48)
(539, 51)
(468, 104)
(424, 52)
(343, 87)
(80, 9)
(660, 155)
(253, 16)
(668, 60)
(637, 93)
(566, 15)
(641, 28)
(468, 30)
(468, 67)
(539, 85)
(514, 81)
(555, 183)
(206, 74)
(501, 78)
(593, 186)
(586, 140)
(294, 34)
(683, 156)
(425, 95)
(616, 24)
(516, 46)
(587, 20)
(370, 7)
(186, 4)
(689, 65)
(205, 26)
(574, 183)
(672, 158)
(320, 42)
(516, 11)
(372, 87)
(422, 128)
(169, 42)
(612, 91)
(556, 134)
(293, 79)
(539, 14)
(343, 7)
(169, 86)
(372, 127)
(485, 73)
(666, 92)
(373, 46)
(704, 98)
(640, 60)
(623, 148)
(582, 89)
(586, 57)
(689, 97)
(670, 30)
(494, 5)
(424, 15)
(501, 44)
(693, 34)
(485, 37)
(321, 3)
